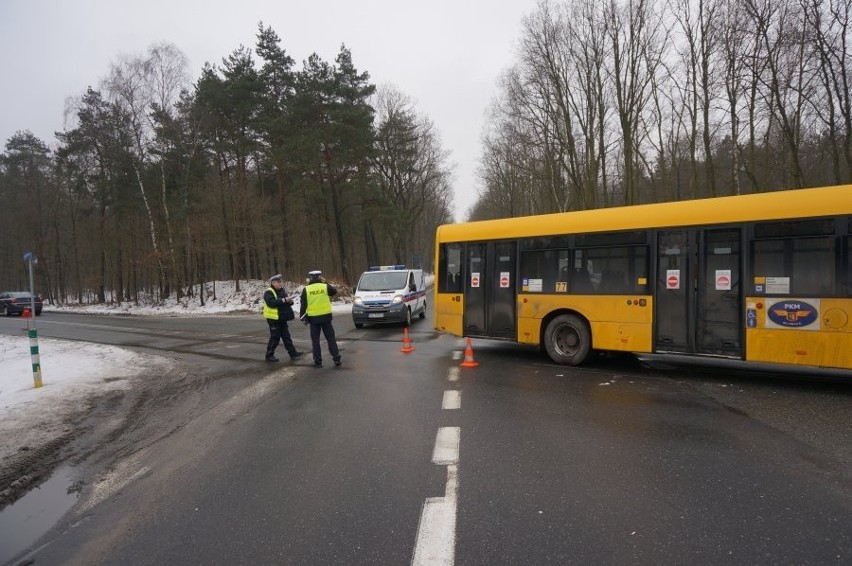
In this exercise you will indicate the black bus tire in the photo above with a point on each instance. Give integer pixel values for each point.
(567, 340)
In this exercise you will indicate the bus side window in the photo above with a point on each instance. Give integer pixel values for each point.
(847, 279)
(580, 282)
(455, 283)
(612, 281)
(450, 267)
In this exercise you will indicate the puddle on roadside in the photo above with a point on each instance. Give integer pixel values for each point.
(31, 516)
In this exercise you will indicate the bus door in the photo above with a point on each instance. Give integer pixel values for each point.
(699, 292)
(489, 294)
(673, 322)
(720, 294)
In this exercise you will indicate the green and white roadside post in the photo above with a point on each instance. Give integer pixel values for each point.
(32, 332)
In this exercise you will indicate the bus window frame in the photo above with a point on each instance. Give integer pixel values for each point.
(458, 283)
(797, 231)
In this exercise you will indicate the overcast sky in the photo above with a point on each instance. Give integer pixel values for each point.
(446, 54)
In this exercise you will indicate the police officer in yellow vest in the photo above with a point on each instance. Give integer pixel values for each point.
(277, 309)
(315, 309)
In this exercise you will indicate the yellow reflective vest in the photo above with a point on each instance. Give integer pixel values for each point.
(319, 302)
(270, 312)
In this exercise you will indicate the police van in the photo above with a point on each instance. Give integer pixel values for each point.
(389, 293)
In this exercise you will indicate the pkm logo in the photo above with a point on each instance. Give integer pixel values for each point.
(792, 314)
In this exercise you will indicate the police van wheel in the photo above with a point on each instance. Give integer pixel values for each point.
(567, 340)
(359, 325)
(423, 312)
(407, 317)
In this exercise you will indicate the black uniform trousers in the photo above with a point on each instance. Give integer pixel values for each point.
(279, 332)
(323, 324)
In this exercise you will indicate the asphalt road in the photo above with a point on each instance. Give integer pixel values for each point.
(616, 462)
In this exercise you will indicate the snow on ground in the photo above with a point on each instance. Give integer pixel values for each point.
(73, 372)
(220, 297)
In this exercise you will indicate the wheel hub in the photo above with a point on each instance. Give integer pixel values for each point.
(567, 341)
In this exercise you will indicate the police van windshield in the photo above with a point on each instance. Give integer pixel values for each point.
(383, 281)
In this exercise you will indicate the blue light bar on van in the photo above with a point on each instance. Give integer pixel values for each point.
(386, 267)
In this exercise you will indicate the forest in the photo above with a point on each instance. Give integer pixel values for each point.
(158, 184)
(634, 101)
(256, 168)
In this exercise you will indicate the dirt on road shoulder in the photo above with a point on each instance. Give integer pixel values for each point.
(94, 431)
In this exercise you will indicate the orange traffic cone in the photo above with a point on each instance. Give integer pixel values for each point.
(26, 314)
(407, 347)
(469, 362)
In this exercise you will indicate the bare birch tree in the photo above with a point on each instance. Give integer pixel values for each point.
(410, 168)
(166, 74)
(638, 42)
(126, 87)
(788, 79)
(831, 25)
(695, 20)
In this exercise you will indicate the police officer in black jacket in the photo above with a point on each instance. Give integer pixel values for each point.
(278, 309)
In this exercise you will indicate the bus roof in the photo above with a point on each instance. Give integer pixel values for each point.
(778, 205)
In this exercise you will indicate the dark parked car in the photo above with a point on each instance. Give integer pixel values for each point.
(14, 302)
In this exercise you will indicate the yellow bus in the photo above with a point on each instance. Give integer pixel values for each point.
(763, 277)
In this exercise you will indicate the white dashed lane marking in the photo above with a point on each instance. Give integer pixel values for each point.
(452, 400)
(453, 374)
(447, 446)
(436, 535)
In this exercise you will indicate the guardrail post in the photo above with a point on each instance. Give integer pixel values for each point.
(36, 361)
(32, 332)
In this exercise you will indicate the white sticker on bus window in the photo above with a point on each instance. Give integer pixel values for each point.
(777, 285)
(673, 279)
(504, 280)
(535, 285)
(474, 279)
(723, 279)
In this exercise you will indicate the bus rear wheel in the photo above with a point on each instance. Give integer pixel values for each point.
(567, 340)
